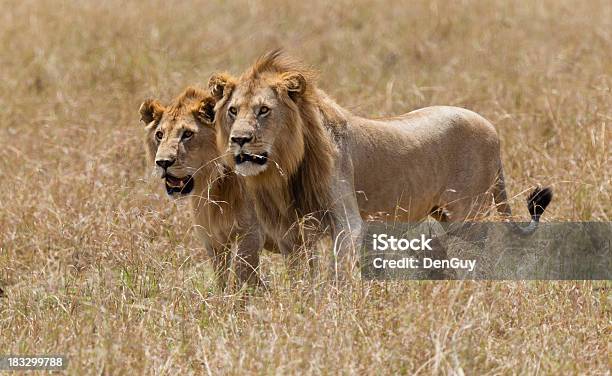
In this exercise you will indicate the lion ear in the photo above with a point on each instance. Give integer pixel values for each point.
(206, 111)
(295, 83)
(150, 110)
(220, 84)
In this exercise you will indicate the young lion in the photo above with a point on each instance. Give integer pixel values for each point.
(180, 139)
(304, 155)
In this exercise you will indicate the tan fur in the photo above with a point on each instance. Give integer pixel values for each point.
(324, 160)
(306, 162)
(221, 211)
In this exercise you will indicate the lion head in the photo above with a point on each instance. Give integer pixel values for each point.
(270, 122)
(263, 116)
(180, 139)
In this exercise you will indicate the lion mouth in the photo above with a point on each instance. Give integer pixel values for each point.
(260, 159)
(178, 185)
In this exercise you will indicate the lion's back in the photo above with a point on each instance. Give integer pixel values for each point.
(419, 155)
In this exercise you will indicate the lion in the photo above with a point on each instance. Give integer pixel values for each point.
(303, 155)
(180, 140)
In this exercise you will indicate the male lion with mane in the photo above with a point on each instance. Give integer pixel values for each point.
(305, 156)
(180, 139)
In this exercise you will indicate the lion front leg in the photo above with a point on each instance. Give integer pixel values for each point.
(347, 227)
(221, 260)
(347, 237)
(246, 262)
(298, 250)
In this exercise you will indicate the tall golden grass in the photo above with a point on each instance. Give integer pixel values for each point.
(97, 264)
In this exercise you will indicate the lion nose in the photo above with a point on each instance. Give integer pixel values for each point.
(164, 163)
(241, 140)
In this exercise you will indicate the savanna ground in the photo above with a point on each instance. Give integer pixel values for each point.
(97, 264)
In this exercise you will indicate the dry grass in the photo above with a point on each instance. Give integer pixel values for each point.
(97, 264)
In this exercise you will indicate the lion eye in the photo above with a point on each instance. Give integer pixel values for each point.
(233, 111)
(187, 135)
(159, 135)
(263, 110)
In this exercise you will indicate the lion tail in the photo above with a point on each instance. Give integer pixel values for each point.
(537, 201)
